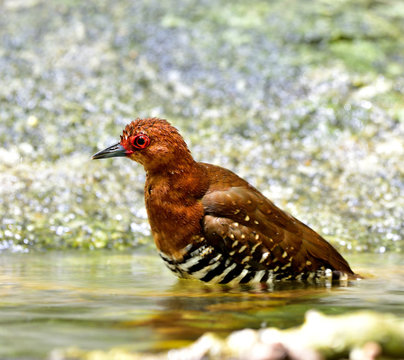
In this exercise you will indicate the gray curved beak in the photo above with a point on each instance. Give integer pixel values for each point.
(116, 150)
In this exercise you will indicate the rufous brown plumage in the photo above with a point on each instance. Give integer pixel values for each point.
(211, 225)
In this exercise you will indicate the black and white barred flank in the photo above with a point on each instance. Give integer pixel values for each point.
(204, 262)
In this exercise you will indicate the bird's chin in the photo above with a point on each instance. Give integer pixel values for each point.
(134, 156)
(116, 150)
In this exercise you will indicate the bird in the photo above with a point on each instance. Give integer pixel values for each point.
(211, 225)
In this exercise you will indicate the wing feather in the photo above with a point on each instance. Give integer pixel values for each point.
(255, 232)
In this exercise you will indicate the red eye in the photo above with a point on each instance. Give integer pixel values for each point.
(141, 141)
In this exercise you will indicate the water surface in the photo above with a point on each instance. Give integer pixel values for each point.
(101, 300)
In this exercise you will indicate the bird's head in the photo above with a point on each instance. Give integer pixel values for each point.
(153, 142)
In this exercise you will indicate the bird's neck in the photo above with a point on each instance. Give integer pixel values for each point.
(172, 197)
(173, 168)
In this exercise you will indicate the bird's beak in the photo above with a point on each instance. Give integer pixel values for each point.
(112, 151)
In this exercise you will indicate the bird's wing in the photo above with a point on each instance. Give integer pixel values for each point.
(255, 232)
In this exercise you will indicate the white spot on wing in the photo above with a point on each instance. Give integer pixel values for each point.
(242, 248)
(286, 266)
(255, 246)
(246, 259)
(264, 256)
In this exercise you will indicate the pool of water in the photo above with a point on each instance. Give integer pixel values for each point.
(104, 300)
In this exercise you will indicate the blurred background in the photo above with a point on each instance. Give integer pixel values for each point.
(302, 98)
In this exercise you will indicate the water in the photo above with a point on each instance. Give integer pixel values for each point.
(305, 101)
(102, 300)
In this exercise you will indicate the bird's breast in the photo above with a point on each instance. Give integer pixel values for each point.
(173, 222)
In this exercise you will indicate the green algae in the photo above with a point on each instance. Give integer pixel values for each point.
(303, 100)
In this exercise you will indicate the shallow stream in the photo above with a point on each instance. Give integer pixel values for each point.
(103, 300)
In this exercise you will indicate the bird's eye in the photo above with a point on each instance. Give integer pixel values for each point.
(141, 141)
